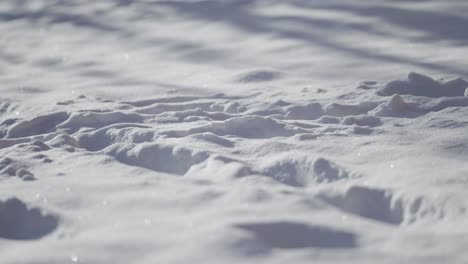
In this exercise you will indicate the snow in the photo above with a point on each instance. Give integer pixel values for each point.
(233, 131)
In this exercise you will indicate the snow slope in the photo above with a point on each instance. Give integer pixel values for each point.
(233, 131)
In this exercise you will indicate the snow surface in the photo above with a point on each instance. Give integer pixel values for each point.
(241, 131)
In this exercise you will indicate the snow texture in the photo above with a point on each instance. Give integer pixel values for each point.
(243, 131)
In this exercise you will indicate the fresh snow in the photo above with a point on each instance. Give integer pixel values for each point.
(233, 131)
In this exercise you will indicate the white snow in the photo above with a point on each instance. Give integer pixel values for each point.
(233, 131)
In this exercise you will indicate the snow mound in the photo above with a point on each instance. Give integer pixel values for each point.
(251, 127)
(9, 167)
(19, 222)
(422, 85)
(385, 206)
(161, 158)
(38, 125)
(97, 120)
(301, 171)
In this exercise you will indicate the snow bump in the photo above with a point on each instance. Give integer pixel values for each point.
(20, 222)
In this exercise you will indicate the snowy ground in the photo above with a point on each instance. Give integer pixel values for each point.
(241, 131)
